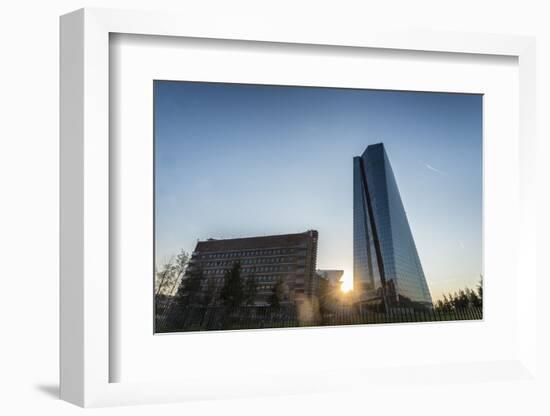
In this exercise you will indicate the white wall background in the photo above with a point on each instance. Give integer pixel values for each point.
(29, 199)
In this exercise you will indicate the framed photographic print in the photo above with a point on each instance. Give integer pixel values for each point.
(252, 162)
(256, 198)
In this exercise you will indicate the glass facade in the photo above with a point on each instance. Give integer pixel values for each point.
(386, 264)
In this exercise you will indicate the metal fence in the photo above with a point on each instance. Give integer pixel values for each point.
(194, 318)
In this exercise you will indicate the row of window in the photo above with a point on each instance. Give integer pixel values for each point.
(267, 269)
(248, 253)
(251, 261)
(260, 279)
(258, 287)
(251, 270)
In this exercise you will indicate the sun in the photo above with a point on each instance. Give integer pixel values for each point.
(347, 282)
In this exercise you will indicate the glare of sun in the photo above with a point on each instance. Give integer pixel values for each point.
(347, 283)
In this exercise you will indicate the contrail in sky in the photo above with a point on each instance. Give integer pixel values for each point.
(430, 167)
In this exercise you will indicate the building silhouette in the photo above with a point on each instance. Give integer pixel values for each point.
(386, 267)
(332, 276)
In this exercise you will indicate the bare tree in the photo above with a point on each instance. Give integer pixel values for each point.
(168, 278)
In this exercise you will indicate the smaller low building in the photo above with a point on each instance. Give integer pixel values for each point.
(333, 277)
(330, 289)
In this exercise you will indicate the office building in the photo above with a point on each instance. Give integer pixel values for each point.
(289, 258)
(386, 266)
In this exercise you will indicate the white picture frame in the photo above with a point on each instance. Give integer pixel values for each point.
(85, 201)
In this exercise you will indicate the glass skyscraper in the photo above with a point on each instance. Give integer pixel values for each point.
(386, 267)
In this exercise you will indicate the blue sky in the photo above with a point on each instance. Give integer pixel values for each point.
(237, 160)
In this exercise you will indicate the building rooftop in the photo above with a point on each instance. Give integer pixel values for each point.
(283, 240)
(373, 147)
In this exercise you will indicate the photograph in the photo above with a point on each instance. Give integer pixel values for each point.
(279, 206)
